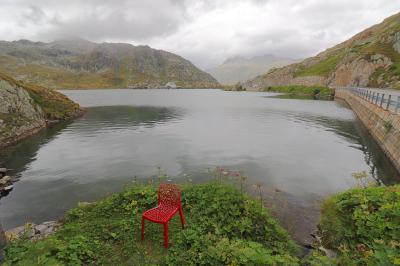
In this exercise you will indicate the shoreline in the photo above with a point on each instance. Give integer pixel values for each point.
(33, 131)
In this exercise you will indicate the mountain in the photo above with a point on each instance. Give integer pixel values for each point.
(237, 69)
(370, 58)
(82, 64)
(25, 109)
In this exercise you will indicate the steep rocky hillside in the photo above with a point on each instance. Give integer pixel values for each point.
(83, 64)
(238, 69)
(370, 58)
(25, 109)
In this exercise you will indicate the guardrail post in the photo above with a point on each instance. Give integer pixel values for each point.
(388, 102)
(382, 100)
(373, 97)
(398, 104)
(377, 98)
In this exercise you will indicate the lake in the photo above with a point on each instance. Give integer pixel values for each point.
(302, 150)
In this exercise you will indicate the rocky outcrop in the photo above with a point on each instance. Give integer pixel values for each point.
(33, 231)
(369, 59)
(19, 115)
(25, 109)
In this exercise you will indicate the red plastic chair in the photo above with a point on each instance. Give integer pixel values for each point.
(169, 203)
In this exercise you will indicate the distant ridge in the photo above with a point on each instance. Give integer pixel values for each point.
(78, 63)
(237, 69)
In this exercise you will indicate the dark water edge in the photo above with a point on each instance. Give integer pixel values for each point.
(165, 137)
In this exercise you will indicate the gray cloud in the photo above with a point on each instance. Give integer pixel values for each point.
(204, 31)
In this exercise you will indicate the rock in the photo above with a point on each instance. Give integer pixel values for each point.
(8, 188)
(328, 252)
(33, 231)
(5, 179)
(2, 243)
(170, 85)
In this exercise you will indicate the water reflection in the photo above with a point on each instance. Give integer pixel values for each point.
(18, 157)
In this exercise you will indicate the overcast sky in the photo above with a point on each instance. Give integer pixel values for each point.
(203, 31)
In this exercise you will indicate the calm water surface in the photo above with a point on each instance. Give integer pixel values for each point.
(307, 149)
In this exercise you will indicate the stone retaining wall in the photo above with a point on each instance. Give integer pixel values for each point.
(383, 125)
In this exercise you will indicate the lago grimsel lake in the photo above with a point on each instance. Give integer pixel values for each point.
(301, 150)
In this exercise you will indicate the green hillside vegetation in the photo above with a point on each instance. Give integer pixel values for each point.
(87, 65)
(323, 68)
(371, 58)
(378, 39)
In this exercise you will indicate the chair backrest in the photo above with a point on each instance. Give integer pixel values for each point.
(169, 194)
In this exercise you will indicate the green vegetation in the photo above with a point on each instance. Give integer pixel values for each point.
(321, 68)
(54, 104)
(363, 225)
(223, 227)
(315, 92)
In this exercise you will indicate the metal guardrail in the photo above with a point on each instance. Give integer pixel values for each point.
(380, 98)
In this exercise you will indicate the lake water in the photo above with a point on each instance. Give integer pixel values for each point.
(305, 149)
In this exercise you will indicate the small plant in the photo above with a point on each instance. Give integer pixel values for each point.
(259, 186)
(387, 125)
(363, 179)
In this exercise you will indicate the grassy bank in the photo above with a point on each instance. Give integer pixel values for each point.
(295, 91)
(363, 225)
(223, 228)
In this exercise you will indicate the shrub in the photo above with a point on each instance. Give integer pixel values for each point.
(363, 225)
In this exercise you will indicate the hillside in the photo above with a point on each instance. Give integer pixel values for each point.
(238, 69)
(26, 108)
(82, 64)
(370, 58)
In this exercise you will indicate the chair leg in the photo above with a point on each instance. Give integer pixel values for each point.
(142, 228)
(166, 235)
(182, 218)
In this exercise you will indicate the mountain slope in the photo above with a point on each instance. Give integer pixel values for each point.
(83, 64)
(370, 58)
(26, 108)
(238, 69)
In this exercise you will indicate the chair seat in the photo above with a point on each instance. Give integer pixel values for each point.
(161, 213)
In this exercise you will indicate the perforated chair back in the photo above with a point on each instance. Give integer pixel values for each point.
(169, 194)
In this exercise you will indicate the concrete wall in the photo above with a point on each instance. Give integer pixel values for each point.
(377, 121)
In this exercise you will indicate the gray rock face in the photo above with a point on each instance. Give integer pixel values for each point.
(2, 243)
(19, 114)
